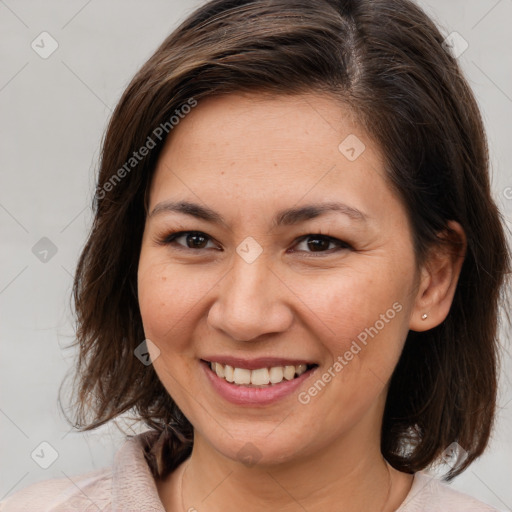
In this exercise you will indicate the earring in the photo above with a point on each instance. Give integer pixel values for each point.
(424, 316)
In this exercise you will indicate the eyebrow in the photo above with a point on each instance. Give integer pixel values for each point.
(287, 217)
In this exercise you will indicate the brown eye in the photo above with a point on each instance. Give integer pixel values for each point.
(196, 241)
(321, 244)
(191, 240)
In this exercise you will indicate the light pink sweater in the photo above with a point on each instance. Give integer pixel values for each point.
(128, 486)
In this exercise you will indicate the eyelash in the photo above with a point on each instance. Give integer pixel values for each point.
(170, 239)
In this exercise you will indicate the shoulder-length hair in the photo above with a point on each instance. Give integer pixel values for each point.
(385, 61)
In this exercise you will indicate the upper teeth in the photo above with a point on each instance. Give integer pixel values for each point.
(259, 377)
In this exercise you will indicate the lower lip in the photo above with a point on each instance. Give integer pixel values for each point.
(245, 395)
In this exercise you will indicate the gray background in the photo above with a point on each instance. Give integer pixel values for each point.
(54, 112)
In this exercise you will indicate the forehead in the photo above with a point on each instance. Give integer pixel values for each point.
(258, 128)
(264, 152)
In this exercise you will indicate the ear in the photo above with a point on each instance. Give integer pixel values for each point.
(438, 280)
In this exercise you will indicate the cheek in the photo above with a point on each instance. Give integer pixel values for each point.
(165, 296)
(172, 300)
(364, 316)
(355, 300)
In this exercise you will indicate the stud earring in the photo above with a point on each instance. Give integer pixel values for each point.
(424, 316)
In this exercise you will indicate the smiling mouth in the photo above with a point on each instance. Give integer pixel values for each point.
(260, 377)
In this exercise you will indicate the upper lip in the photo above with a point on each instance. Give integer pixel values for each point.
(254, 364)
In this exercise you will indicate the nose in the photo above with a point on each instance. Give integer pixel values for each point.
(251, 302)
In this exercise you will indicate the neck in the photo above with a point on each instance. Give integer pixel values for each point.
(345, 473)
(327, 482)
(349, 475)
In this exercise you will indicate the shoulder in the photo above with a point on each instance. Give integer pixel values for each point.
(126, 485)
(429, 494)
(88, 491)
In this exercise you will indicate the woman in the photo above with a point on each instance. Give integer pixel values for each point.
(293, 236)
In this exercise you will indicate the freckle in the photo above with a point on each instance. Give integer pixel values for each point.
(164, 278)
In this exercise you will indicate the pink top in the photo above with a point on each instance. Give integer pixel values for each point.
(129, 486)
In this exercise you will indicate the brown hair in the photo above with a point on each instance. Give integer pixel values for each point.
(384, 60)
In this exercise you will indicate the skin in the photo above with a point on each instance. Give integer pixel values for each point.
(247, 156)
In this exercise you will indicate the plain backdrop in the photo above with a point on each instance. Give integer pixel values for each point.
(54, 112)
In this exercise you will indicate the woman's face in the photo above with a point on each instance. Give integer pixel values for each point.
(304, 256)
